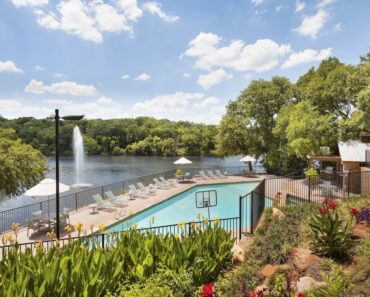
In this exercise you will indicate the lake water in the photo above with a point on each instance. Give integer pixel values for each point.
(102, 170)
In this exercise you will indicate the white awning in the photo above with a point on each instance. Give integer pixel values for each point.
(353, 151)
(182, 161)
(46, 188)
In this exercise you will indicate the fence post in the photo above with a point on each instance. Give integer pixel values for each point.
(309, 189)
(102, 240)
(240, 217)
(348, 182)
(123, 187)
(189, 227)
(102, 192)
(252, 211)
(76, 203)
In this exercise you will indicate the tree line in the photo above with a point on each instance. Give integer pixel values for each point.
(284, 122)
(141, 136)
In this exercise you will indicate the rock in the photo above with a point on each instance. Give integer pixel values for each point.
(361, 231)
(308, 283)
(238, 254)
(303, 258)
(268, 270)
(277, 213)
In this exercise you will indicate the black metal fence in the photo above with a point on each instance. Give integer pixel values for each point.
(77, 200)
(108, 240)
(300, 189)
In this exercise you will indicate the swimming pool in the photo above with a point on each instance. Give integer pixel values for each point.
(181, 207)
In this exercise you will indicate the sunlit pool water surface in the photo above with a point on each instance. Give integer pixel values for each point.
(182, 207)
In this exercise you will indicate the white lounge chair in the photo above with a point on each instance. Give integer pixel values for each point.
(118, 200)
(203, 175)
(170, 182)
(210, 174)
(101, 203)
(136, 193)
(148, 189)
(160, 184)
(219, 174)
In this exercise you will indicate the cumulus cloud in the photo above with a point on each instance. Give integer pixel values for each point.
(39, 68)
(177, 102)
(104, 100)
(213, 78)
(109, 20)
(324, 3)
(29, 3)
(125, 76)
(299, 6)
(143, 76)
(257, 2)
(307, 56)
(9, 104)
(9, 66)
(130, 9)
(260, 56)
(155, 8)
(207, 102)
(312, 24)
(64, 87)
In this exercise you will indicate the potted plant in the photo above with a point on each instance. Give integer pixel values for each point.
(178, 172)
(312, 176)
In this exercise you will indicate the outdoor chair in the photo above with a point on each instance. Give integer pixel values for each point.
(203, 175)
(210, 174)
(136, 193)
(148, 189)
(65, 216)
(170, 182)
(219, 174)
(101, 203)
(36, 224)
(117, 200)
(160, 184)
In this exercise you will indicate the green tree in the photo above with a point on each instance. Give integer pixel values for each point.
(21, 166)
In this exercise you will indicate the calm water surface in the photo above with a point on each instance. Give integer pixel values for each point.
(102, 170)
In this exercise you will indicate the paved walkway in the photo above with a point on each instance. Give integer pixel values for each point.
(111, 216)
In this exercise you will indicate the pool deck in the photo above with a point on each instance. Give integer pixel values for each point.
(110, 216)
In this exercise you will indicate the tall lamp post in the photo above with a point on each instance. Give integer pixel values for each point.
(57, 196)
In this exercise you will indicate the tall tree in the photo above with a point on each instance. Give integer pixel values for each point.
(21, 166)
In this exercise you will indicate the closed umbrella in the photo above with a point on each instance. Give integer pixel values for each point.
(46, 187)
(248, 159)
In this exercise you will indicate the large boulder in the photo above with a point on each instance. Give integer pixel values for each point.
(308, 283)
(238, 254)
(277, 213)
(304, 258)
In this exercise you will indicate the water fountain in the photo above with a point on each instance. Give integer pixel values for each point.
(79, 156)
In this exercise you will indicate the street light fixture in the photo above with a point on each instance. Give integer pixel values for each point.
(57, 198)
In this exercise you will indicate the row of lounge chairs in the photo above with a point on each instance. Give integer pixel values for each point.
(210, 174)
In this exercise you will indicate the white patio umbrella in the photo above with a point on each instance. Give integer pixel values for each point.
(46, 187)
(182, 161)
(248, 159)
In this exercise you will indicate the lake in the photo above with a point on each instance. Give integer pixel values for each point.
(102, 170)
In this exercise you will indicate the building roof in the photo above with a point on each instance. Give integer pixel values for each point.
(353, 150)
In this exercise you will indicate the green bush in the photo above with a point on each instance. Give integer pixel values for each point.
(331, 237)
(85, 269)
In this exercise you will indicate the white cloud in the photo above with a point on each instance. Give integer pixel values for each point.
(125, 76)
(9, 66)
(29, 3)
(143, 77)
(89, 19)
(278, 8)
(307, 56)
(177, 102)
(59, 75)
(324, 3)
(257, 2)
(64, 87)
(262, 55)
(186, 75)
(299, 6)
(9, 104)
(39, 68)
(207, 102)
(213, 78)
(155, 8)
(312, 24)
(104, 100)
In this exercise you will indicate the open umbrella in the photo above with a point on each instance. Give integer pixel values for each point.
(46, 188)
(248, 159)
(182, 161)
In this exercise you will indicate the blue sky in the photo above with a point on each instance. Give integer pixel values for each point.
(182, 60)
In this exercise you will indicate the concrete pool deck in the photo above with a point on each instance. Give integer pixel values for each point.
(110, 216)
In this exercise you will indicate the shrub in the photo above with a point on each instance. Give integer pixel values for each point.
(312, 174)
(330, 237)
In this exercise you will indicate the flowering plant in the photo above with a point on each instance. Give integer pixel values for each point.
(208, 290)
(331, 237)
(362, 215)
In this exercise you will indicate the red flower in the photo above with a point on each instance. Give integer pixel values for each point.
(207, 290)
(354, 212)
(330, 204)
(254, 294)
(323, 210)
(300, 294)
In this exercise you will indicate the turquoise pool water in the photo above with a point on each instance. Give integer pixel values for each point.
(182, 207)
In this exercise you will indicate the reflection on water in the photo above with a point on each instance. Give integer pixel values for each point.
(101, 170)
